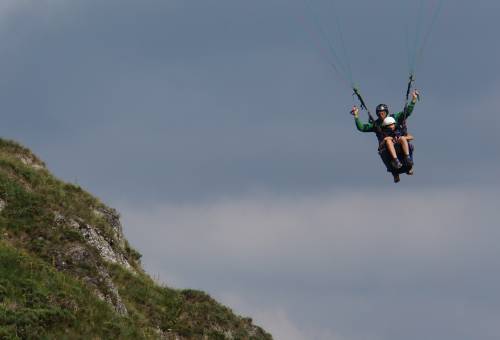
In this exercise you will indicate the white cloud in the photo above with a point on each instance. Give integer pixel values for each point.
(10, 8)
(275, 320)
(6, 6)
(298, 259)
(353, 227)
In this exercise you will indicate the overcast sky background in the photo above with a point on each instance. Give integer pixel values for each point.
(221, 134)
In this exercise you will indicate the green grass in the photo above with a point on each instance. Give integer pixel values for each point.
(37, 302)
(46, 294)
(190, 313)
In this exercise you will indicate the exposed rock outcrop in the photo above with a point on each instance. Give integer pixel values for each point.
(31, 160)
(111, 248)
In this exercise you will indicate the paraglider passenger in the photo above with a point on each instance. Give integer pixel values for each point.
(392, 135)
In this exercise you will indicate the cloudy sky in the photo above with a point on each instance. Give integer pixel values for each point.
(222, 135)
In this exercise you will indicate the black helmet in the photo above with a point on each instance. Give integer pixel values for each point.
(382, 107)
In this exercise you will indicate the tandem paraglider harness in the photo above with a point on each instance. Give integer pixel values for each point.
(385, 155)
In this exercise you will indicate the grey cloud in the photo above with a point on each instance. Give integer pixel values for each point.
(196, 99)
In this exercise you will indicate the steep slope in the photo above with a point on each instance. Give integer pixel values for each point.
(67, 271)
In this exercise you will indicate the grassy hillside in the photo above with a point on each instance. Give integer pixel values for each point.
(67, 272)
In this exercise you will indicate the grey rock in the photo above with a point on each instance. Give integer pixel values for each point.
(31, 161)
(104, 245)
(111, 296)
(78, 255)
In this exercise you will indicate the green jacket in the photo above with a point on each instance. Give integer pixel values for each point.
(371, 127)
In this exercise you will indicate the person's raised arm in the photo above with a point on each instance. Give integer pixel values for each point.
(368, 127)
(415, 96)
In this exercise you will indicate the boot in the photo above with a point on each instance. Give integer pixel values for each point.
(408, 162)
(396, 164)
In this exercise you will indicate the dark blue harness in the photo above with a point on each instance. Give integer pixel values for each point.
(384, 154)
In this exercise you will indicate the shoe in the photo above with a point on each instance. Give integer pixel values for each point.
(410, 172)
(396, 178)
(408, 162)
(396, 164)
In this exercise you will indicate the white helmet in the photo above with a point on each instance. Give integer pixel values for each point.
(388, 121)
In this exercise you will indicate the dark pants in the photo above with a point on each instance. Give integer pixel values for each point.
(386, 158)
